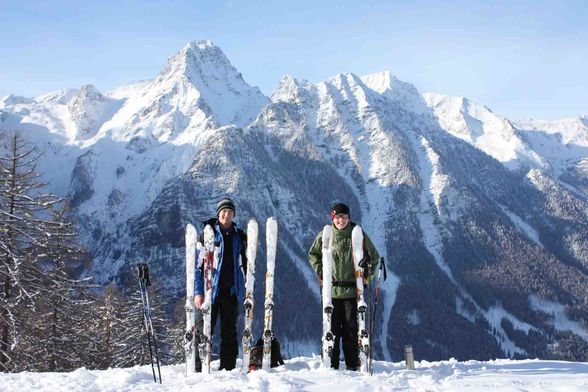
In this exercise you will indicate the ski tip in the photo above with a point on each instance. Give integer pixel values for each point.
(327, 234)
(252, 224)
(272, 224)
(190, 233)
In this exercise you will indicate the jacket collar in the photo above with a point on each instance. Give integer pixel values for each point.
(213, 222)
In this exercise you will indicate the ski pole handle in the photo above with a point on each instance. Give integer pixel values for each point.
(144, 273)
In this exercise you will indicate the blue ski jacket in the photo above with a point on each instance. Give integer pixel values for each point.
(239, 242)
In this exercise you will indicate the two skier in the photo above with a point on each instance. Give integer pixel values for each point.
(344, 296)
(228, 282)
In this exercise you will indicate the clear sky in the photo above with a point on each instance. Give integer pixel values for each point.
(521, 58)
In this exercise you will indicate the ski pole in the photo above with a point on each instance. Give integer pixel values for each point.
(143, 284)
(381, 272)
(371, 323)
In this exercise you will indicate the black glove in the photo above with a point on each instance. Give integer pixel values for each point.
(367, 269)
(365, 264)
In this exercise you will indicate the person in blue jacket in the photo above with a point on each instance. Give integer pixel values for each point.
(228, 282)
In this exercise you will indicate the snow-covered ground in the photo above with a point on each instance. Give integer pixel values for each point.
(306, 374)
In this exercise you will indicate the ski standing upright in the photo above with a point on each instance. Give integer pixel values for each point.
(362, 333)
(205, 345)
(271, 243)
(191, 238)
(328, 340)
(252, 235)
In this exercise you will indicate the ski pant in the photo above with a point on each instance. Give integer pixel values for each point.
(344, 327)
(225, 304)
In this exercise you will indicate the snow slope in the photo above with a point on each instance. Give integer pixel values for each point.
(306, 374)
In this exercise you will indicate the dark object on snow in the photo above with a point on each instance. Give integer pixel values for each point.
(256, 359)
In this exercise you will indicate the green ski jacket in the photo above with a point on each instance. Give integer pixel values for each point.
(343, 268)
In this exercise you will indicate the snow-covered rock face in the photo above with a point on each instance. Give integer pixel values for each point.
(472, 212)
(198, 90)
(396, 91)
(11, 100)
(487, 131)
(89, 110)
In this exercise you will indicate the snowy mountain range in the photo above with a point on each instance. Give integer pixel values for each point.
(483, 221)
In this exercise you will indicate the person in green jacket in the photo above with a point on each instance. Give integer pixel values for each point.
(344, 318)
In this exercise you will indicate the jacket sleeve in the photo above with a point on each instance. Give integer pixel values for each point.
(374, 256)
(198, 282)
(243, 239)
(315, 255)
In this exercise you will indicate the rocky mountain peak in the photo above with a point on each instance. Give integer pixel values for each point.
(199, 81)
(62, 96)
(396, 91)
(12, 99)
(291, 89)
(89, 92)
(89, 109)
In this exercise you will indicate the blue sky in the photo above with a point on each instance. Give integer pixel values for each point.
(520, 58)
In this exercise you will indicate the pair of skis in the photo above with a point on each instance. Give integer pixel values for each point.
(192, 338)
(190, 335)
(328, 339)
(271, 243)
(205, 339)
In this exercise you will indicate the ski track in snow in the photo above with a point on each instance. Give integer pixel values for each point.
(306, 374)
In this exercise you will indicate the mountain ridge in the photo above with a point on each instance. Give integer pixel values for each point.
(473, 213)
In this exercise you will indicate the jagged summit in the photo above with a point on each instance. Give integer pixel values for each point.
(396, 91)
(290, 89)
(61, 96)
(199, 59)
(88, 91)
(89, 109)
(487, 131)
(12, 99)
(198, 90)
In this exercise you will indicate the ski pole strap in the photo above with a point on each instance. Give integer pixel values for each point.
(344, 283)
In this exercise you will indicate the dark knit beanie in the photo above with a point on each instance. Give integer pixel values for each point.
(339, 208)
(225, 203)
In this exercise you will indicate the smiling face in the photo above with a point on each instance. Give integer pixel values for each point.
(341, 221)
(225, 217)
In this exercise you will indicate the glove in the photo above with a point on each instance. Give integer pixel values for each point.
(367, 270)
